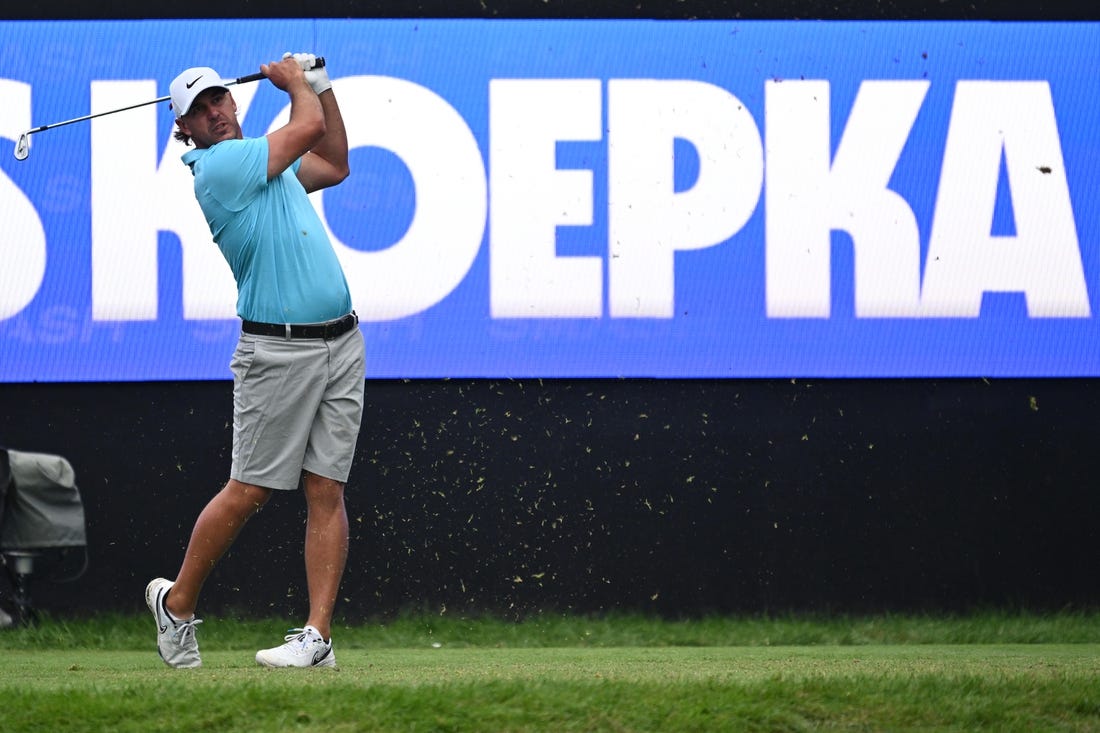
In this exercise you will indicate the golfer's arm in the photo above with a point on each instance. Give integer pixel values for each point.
(305, 128)
(326, 164)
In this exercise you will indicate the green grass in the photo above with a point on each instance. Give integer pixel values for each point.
(990, 671)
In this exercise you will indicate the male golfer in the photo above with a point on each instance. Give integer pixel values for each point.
(299, 366)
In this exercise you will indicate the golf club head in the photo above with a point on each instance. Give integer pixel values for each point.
(23, 146)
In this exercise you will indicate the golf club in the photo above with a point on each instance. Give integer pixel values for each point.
(23, 145)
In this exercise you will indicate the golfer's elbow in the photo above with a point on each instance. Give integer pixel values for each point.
(316, 130)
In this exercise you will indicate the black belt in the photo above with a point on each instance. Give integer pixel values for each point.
(326, 331)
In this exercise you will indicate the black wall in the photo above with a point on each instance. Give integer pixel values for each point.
(665, 496)
(676, 497)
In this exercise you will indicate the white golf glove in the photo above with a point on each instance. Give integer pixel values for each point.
(317, 78)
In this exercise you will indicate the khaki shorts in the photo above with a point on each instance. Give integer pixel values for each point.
(297, 405)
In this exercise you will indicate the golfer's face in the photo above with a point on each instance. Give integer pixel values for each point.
(212, 118)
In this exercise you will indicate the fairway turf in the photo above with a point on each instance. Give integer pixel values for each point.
(51, 684)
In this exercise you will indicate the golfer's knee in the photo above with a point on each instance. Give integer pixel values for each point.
(249, 497)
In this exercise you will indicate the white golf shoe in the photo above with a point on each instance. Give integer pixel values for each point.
(176, 642)
(303, 648)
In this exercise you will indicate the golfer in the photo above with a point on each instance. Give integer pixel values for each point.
(299, 365)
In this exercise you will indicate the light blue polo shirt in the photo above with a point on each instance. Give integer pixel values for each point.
(270, 234)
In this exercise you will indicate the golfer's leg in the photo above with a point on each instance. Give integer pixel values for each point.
(326, 547)
(215, 529)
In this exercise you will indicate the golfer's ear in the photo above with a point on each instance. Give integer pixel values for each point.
(180, 125)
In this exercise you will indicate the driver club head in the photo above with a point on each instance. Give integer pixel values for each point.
(23, 146)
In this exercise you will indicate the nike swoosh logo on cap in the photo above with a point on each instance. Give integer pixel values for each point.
(196, 81)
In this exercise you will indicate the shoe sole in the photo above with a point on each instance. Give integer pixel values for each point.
(151, 599)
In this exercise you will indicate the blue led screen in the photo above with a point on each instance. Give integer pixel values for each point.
(582, 198)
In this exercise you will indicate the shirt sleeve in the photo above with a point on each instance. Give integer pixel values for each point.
(236, 171)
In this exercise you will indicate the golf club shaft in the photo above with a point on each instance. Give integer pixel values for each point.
(41, 128)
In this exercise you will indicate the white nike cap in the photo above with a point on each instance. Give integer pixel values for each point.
(191, 84)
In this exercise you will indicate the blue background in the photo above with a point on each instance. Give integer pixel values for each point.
(720, 328)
